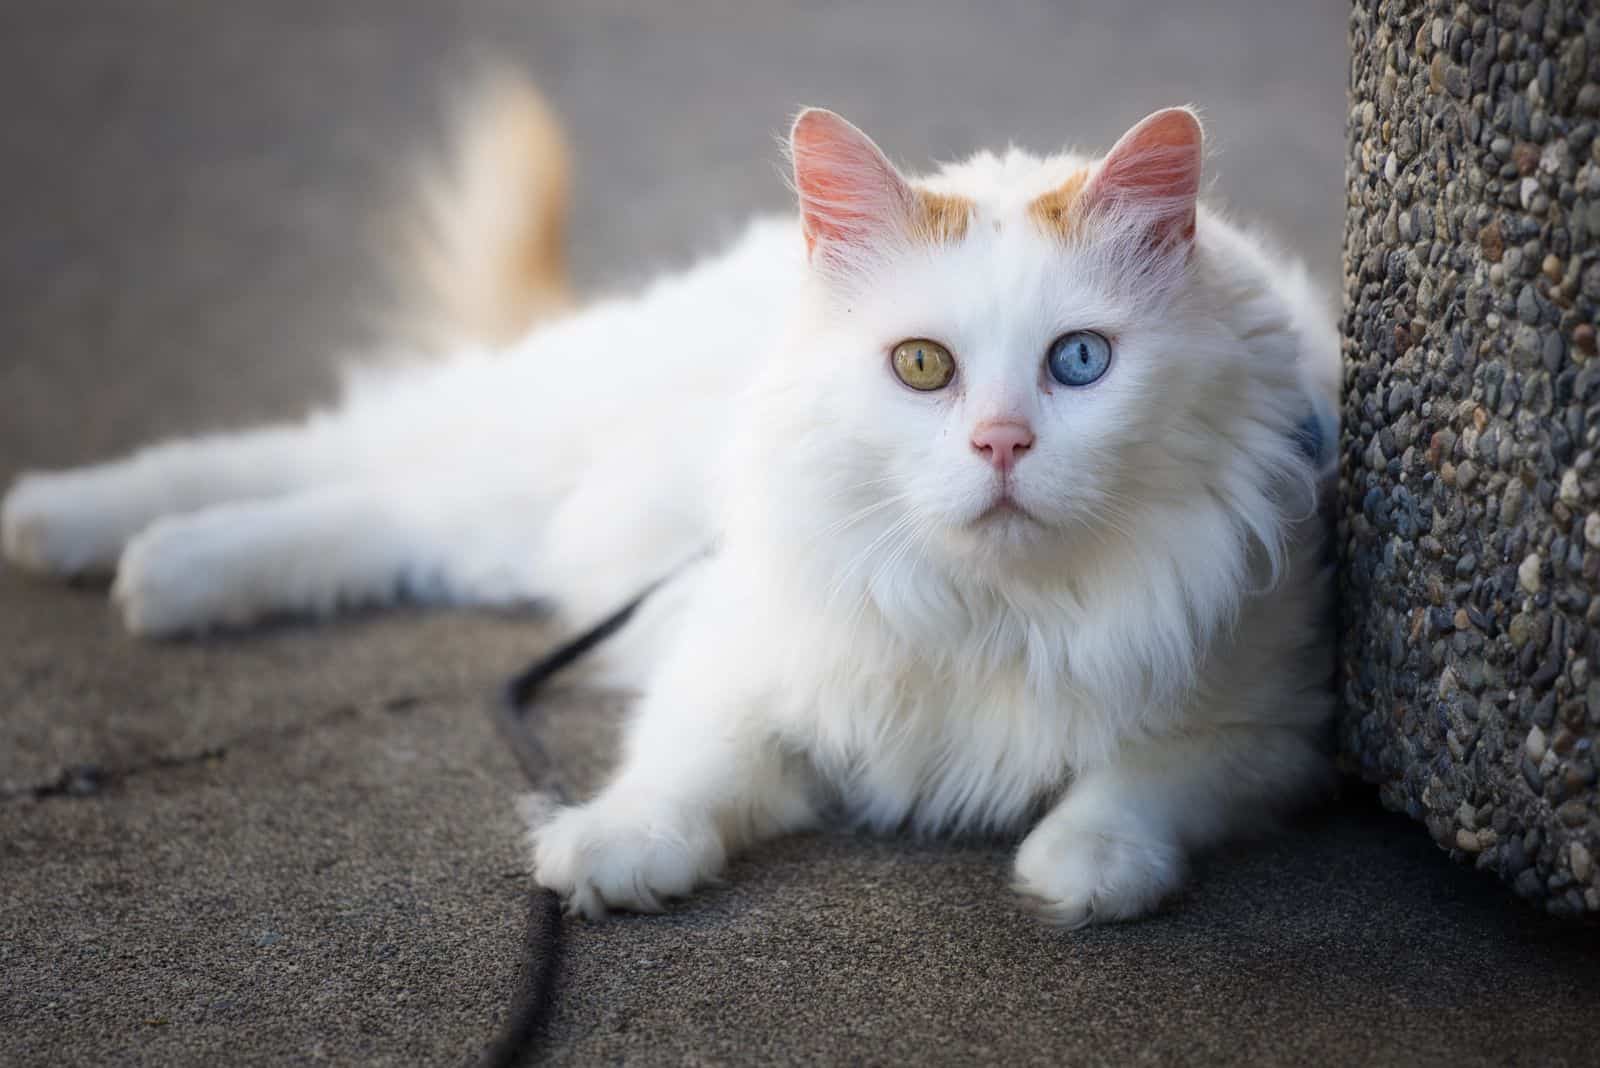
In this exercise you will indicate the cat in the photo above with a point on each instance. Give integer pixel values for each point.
(986, 502)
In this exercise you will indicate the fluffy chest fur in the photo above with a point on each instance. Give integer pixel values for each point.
(919, 744)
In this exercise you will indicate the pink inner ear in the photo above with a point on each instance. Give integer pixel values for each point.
(1154, 172)
(849, 192)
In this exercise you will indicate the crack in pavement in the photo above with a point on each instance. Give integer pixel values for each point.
(89, 779)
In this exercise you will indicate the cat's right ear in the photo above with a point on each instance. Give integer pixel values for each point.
(851, 196)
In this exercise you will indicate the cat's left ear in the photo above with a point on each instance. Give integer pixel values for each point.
(1152, 176)
(851, 196)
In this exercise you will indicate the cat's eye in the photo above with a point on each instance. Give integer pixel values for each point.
(1078, 358)
(922, 364)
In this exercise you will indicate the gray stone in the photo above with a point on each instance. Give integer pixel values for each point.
(1528, 305)
(1533, 19)
(1580, 860)
(1553, 351)
(1526, 344)
(1591, 280)
(1399, 397)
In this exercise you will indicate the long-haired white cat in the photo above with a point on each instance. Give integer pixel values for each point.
(1011, 474)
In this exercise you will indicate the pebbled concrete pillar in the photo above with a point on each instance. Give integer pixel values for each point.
(1470, 520)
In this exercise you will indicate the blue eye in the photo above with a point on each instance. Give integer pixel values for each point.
(1078, 358)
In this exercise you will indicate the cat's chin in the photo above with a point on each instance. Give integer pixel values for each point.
(1003, 510)
(1002, 531)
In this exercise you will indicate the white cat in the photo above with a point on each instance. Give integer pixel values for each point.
(1012, 474)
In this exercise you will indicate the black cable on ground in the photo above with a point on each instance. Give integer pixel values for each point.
(529, 1016)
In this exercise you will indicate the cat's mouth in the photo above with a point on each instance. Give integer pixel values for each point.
(1004, 509)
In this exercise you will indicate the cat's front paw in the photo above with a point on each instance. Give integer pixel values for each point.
(71, 523)
(631, 854)
(1082, 873)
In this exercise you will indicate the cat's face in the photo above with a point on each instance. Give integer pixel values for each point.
(1008, 359)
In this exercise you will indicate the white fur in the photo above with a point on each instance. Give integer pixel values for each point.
(1135, 673)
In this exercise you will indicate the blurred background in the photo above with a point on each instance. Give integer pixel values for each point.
(191, 189)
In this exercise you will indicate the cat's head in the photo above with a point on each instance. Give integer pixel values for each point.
(1015, 361)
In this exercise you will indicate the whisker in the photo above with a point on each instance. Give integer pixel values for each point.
(848, 572)
(856, 517)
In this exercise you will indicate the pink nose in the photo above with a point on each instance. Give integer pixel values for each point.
(1002, 443)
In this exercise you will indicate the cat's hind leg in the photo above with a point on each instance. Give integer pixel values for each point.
(77, 522)
(319, 551)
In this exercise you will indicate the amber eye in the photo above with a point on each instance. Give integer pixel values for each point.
(922, 364)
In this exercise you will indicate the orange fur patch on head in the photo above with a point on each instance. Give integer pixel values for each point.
(1056, 211)
(940, 217)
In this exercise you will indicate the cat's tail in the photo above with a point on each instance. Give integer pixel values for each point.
(487, 252)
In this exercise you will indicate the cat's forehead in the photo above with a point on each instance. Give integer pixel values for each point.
(1005, 183)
